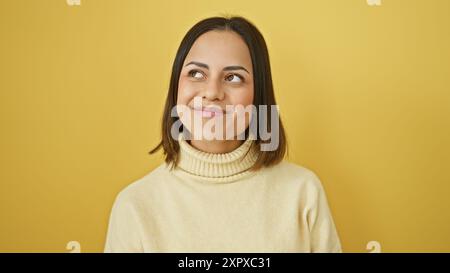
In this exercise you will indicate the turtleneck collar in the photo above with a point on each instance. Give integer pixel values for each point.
(225, 167)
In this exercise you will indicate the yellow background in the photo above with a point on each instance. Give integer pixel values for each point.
(363, 91)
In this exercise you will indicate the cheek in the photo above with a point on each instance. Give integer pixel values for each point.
(185, 92)
(242, 97)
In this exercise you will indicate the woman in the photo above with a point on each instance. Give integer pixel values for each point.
(226, 189)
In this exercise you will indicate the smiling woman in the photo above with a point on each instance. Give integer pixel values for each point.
(222, 195)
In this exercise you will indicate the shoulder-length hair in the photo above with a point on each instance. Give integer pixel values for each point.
(262, 84)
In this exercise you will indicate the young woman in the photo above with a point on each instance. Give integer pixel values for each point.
(228, 189)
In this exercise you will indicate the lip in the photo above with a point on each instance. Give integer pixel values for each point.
(209, 111)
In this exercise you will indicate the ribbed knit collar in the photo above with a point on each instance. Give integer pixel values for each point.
(213, 167)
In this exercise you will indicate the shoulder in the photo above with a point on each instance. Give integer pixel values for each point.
(143, 188)
(296, 176)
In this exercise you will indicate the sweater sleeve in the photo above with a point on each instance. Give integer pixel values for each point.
(323, 233)
(123, 229)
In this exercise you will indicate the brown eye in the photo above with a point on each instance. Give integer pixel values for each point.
(234, 78)
(195, 74)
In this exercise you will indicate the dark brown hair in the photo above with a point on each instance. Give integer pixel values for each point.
(263, 87)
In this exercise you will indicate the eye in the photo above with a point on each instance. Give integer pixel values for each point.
(195, 74)
(235, 78)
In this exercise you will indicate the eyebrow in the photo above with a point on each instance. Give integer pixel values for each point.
(228, 68)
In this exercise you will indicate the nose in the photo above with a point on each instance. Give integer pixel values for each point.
(213, 91)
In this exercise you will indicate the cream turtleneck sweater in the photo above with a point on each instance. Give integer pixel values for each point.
(213, 203)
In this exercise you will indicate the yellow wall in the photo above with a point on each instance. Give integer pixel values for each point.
(364, 92)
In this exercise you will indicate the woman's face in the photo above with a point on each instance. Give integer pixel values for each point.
(217, 73)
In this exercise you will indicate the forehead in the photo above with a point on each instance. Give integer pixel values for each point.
(220, 48)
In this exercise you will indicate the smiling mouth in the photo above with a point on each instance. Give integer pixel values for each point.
(208, 112)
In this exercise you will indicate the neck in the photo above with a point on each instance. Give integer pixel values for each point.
(216, 146)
